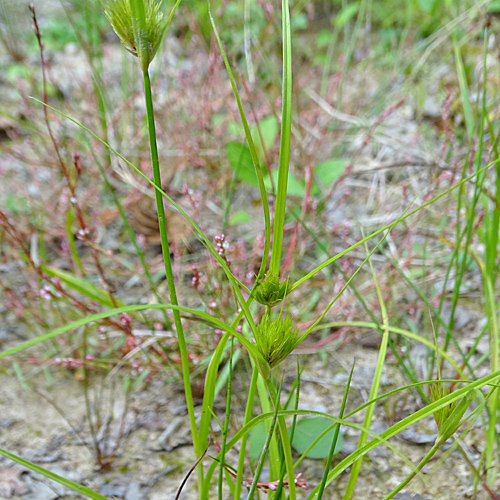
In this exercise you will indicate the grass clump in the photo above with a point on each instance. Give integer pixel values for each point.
(217, 338)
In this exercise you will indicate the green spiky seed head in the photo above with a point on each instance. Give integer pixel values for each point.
(271, 292)
(276, 338)
(140, 34)
(439, 391)
(449, 418)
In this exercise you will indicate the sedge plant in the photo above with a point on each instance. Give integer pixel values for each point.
(269, 336)
(140, 25)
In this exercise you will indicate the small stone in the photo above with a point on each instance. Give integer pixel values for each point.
(11, 483)
(114, 488)
(42, 491)
(461, 318)
(164, 441)
(6, 422)
(412, 436)
(134, 492)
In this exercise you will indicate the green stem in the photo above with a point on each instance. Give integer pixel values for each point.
(279, 490)
(405, 216)
(226, 421)
(356, 467)
(335, 438)
(267, 444)
(414, 472)
(285, 442)
(168, 263)
(266, 407)
(248, 417)
(133, 239)
(286, 130)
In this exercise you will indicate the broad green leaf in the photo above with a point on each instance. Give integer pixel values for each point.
(269, 128)
(218, 119)
(256, 441)
(239, 217)
(308, 429)
(494, 6)
(16, 204)
(328, 171)
(427, 5)
(345, 14)
(323, 38)
(299, 22)
(241, 162)
(294, 186)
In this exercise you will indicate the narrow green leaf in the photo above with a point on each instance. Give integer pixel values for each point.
(345, 14)
(453, 421)
(464, 89)
(388, 226)
(82, 286)
(286, 132)
(263, 365)
(59, 479)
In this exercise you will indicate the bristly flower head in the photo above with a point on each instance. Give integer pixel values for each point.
(439, 391)
(139, 27)
(271, 292)
(449, 417)
(276, 338)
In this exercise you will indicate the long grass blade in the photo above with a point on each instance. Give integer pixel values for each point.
(375, 384)
(286, 132)
(83, 490)
(335, 438)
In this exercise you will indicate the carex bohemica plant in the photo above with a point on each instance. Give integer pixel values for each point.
(140, 25)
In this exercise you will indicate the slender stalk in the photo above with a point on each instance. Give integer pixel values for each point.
(168, 263)
(266, 404)
(489, 278)
(335, 438)
(356, 467)
(248, 417)
(406, 215)
(286, 130)
(253, 152)
(226, 421)
(263, 455)
(285, 443)
(413, 473)
(279, 490)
